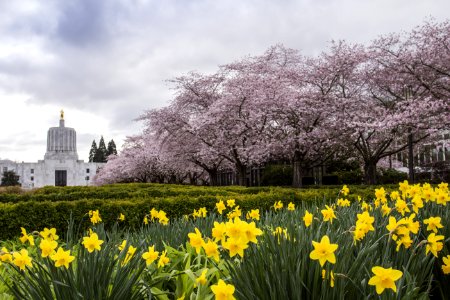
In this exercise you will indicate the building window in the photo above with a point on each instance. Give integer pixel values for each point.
(32, 178)
(87, 178)
(5, 169)
(32, 171)
(87, 170)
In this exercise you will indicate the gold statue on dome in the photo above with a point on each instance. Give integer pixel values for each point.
(62, 114)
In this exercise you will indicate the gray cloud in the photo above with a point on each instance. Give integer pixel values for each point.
(113, 57)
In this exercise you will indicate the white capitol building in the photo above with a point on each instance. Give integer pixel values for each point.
(60, 166)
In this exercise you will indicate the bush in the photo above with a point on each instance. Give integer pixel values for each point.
(387, 176)
(40, 214)
(277, 175)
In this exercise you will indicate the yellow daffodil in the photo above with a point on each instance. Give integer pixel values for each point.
(223, 291)
(251, 232)
(62, 258)
(196, 240)
(92, 242)
(202, 278)
(384, 279)
(47, 247)
(291, 206)
(26, 237)
(446, 265)
(235, 228)
(328, 214)
(345, 190)
(433, 224)
(121, 217)
(5, 255)
(21, 259)
(220, 206)
(308, 218)
(212, 250)
(277, 205)
(343, 202)
(433, 244)
(49, 234)
(323, 251)
(95, 216)
(219, 231)
(235, 246)
(231, 203)
(163, 259)
(150, 256)
(253, 214)
(401, 206)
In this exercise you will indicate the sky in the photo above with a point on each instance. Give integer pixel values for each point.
(107, 61)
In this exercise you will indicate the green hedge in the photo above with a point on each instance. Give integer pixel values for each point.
(35, 215)
(150, 191)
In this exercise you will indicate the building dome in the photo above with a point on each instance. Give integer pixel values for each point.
(61, 142)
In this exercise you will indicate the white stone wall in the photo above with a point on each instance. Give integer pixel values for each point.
(43, 172)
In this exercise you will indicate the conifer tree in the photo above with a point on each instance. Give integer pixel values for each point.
(93, 151)
(100, 155)
(111, 148)
(10, 178)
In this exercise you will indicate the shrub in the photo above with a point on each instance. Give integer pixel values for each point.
(277, 175)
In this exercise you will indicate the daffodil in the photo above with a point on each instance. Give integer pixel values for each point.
(231, 203)
(235, 246)
(328, 214)
(5, 255)
(196, 240)
(323, 251)
(434, 223)
(220, 206)
(212, 250)
(219, 231)
(163, 259)
(253, 214)
(92, 242)
(223, 291)
(121, 217)
(433, 244)
(202, 278)
(49, 234)
(26, 237)
(345, 190)
(291, 206)
(308, 218)
(150, 256)
(446, 265)
(95, 216)
(251, 232)
(384, 279)
(62, 258)
(277, 205)
(21, 259)
(47, 247)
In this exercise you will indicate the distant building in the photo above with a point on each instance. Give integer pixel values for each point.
(60, 166)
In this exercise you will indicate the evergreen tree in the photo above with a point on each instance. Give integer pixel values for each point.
(100, 155)
(111, 148)
(10, 179)
(93, 151)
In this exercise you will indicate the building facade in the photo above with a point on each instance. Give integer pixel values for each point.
(60, 166)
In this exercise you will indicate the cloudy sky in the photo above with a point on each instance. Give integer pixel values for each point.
(106, 61)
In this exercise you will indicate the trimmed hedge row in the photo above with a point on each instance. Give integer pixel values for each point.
(139, 191)
(35, 215)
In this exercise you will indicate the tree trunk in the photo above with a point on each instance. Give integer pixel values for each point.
(212, 174)
(242, 174)
(297, 174)
(370, 172)
(297, 171)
